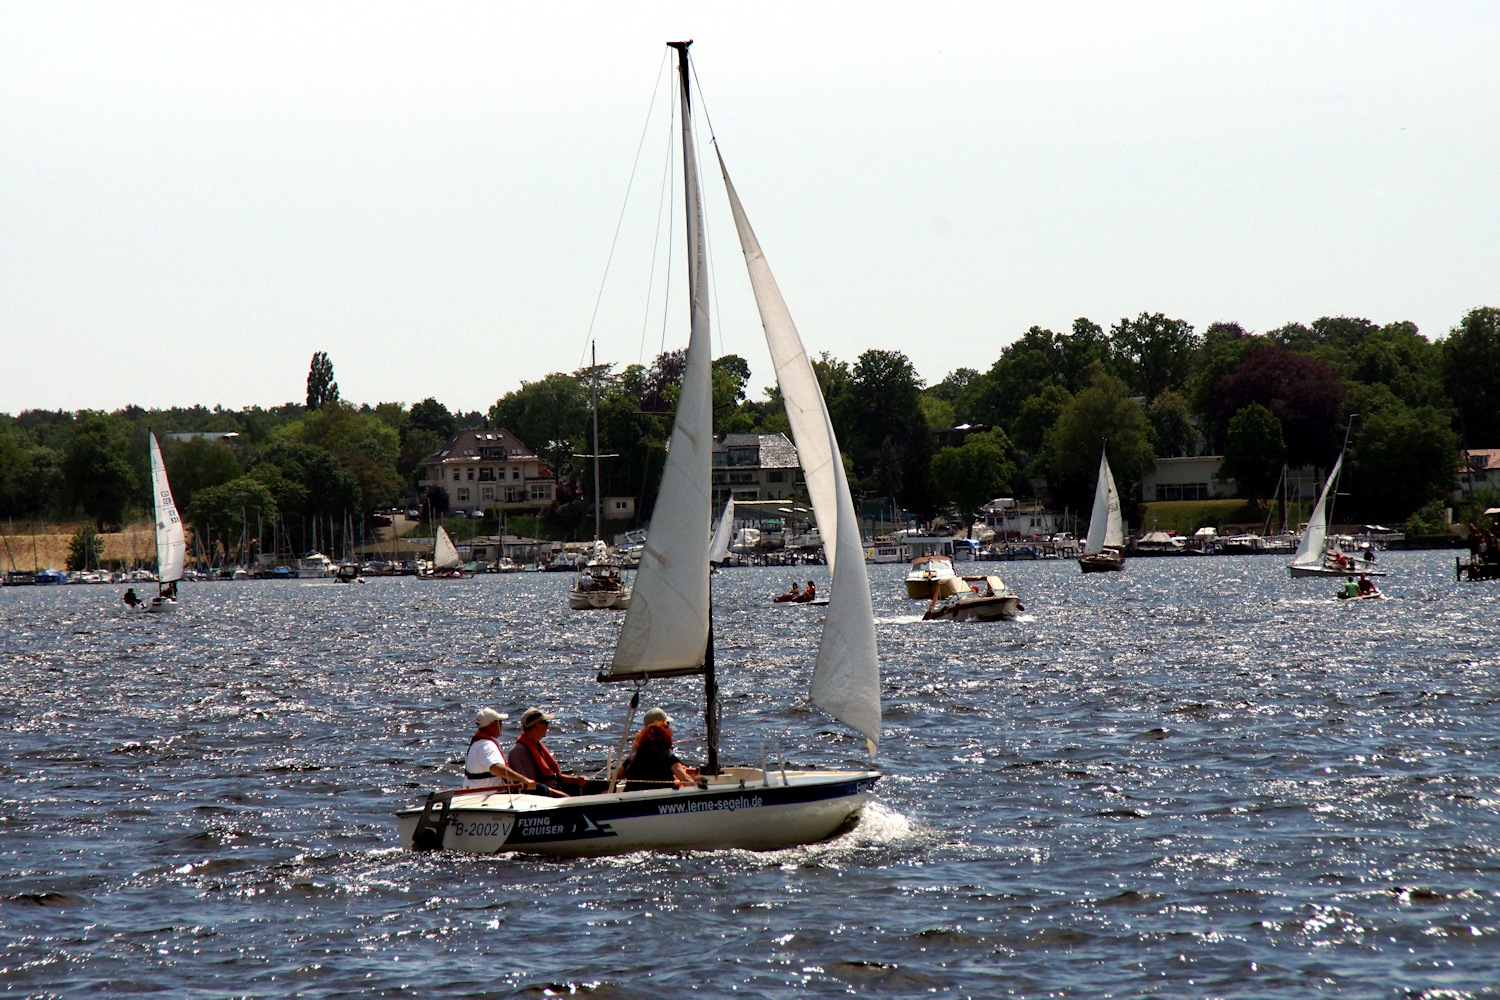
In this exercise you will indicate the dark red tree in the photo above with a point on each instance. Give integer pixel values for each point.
(1303, 392)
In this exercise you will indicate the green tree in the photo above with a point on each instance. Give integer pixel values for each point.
(1172, 432)
(1038, 415)
(18, 469)
(730, 374)
(1153, 353)
(1399, 357)
(1102, 412)
(324, 488)
(880, 425)
(937, 413)
(97, 475)
(1400, 459)
(198, 464)
(1255, 451)
(322, 390)
(1225, 346)
(1471, 375)
(363, 443)
(975, 472)
(432, 416)
(551, 416)
(226, 510)
(85, 549)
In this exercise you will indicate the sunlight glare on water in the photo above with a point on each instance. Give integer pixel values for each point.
(1198, 777)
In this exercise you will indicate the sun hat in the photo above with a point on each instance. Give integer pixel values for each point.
(534, 715)
(656, 715)
(488, 715)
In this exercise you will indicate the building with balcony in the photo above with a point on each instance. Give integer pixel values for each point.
(489, 470)
(754, 467)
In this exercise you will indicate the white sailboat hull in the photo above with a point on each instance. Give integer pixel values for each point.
(162, 605)
(1355, 568)
(743, 808)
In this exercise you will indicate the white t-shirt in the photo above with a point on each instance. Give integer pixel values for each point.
(483, 754)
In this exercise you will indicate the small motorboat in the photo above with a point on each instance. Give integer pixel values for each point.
(972, 599)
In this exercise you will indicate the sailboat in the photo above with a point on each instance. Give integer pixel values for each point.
(667, 632)
(718, 545)
(446, 564)
(1314, 557)
(171, 541)
(1102, 549)
(599, 584)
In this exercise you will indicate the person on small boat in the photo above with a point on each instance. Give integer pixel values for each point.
(131, 599)
(1366, 587)
(810, 594)
(1351, 589)
(484, 765)
(529, 756)
(795, 594)
(651, 765)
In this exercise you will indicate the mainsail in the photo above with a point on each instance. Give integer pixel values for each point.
(846, 679)
(171, 541)
(718, 546)
(1315, 537)
(444, 552)
(665, 632)
(1106, 530)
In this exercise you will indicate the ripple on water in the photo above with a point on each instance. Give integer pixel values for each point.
(1201, 778)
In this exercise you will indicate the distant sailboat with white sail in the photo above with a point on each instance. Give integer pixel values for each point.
(1314, 556)
(171, 540)
(1103, 549)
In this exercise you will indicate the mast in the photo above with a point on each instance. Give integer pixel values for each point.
(690, 167)
(1333, 491)
(594, 405)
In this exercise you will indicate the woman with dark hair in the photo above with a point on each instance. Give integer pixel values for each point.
(651, 764)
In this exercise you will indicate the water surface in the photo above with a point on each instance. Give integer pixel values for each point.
(1197, 778)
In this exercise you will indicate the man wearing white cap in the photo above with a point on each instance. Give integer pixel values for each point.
(531, 757)
(484, 766)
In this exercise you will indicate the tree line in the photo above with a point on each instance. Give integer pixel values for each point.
(1147, 388)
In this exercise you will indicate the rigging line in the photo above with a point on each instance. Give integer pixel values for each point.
(665, 201)
(620, 222)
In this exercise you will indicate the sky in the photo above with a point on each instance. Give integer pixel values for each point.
(194, 198)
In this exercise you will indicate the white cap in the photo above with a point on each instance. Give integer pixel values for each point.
(655, 715)
(488, 715)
